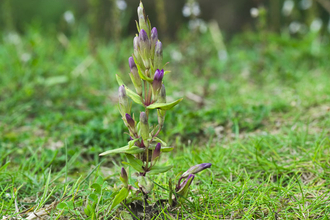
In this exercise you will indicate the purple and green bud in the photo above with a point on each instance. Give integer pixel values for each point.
(124, 177)
(156, 153)
(143, 22)
(135, 77)
(144, 128)
(158, 57)
(157, 83)
(196, 169)
(130, 121)
(153, 40)
(136, 43)
(144, 45)
(123, 100)
(183, 188)
(144, 42)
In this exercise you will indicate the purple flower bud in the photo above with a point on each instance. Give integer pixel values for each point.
(123, 176)
(156, 152)
(154, 38)
(132, 64)
(144, 47)
(183, 188)
(154, 34)
(157, 83)
(196, 169)
(130, 121)
(158, 57)
(143, 36)
(144, 128)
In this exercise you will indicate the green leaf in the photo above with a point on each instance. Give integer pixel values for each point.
(99, 180)
(123, 193)
(93, 197)
(135, 163)
(159, 169)
(62, 205)
(4, 166)
(89, 211)
(126, 149)
(163, 143)
(97, 188)
(132, 142)
(164, 106)
(166, 72)
(162, 149)
(135, 97)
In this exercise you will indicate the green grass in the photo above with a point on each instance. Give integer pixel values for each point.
(264, 125)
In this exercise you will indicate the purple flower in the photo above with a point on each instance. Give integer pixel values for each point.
(144, 41)
(156, 152)
(143, 36)
(131, 63)
(154, 34)
(157, 83)
(130, 120)
(196, 169)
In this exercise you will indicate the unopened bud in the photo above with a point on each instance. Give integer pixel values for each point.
(158, 58)
(157, 83)
(156, 152)
(183, 189)
(144, 45)
(123, 100)
(124, 177)
(130, 121)
(135, 76)
(143, 23)
(196, 169)
(144, 128)
(153, 40)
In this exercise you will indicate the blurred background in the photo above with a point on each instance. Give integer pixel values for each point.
(236, 63)
(112, 19)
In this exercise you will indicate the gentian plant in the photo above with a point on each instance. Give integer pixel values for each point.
(145, 148)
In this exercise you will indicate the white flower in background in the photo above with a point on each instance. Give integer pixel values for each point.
(69, 17)
(191, 8)
(176, 55)
(294, 27)
(287, 7)
(196, 10)
(222, 55)
(13, 38)
(121, 4)
(305, 4)
(25, 57)
(197, 24)
(316, 25)
(254, 12)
